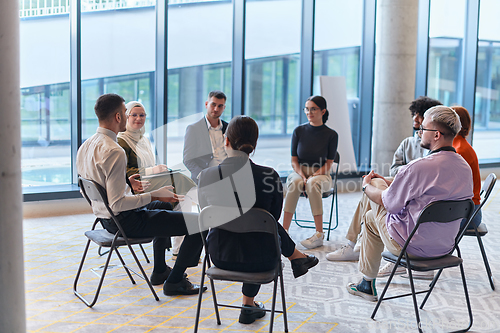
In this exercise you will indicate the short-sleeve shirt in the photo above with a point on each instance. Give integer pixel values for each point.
(313, 145)
(442, 175)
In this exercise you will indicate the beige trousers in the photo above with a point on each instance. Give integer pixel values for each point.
(314, 189)
(356, 223)
(375, 235)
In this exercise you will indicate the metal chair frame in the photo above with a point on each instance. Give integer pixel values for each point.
(254, 220)
(140, 246)
(92, 191)
(481, 231)
(331, 192)
(442, 212)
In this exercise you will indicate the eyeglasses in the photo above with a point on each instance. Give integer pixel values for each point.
(311, 110)
(135, 115)
(421, 129)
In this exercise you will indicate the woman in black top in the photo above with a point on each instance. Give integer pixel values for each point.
(256, 186)
(314, 146)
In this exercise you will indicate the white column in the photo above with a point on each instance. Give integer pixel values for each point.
(395, 65)
(12, 303)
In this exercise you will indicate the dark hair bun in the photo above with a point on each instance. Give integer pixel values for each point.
(246, 148)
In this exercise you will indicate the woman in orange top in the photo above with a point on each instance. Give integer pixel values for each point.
(463, 147)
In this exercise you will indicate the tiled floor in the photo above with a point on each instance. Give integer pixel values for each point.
(317, 302)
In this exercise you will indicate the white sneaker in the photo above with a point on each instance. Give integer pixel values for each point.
(315, 240)
(387, 270)
(345, 253)
(429, 275)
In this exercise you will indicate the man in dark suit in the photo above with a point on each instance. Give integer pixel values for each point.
(204, 140)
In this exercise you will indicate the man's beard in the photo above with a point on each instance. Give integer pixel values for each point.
(426, 146)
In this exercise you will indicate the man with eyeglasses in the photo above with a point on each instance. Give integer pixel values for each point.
(204, 140)
(390, 209)
(409, 149)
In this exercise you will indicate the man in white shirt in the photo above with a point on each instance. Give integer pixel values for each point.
(204, 139)
(102, 160)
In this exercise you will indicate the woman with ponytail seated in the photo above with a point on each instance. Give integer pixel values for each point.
(314, 146)
(251, 252)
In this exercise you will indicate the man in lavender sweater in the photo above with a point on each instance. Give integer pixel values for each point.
(391, 210)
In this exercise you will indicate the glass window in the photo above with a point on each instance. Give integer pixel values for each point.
(445, 50)
(272, 58)
(337, 45)
(487, 105)
(45, 98)
(198, 61)
(118, 56)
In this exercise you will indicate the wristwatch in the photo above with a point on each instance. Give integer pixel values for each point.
(364, 187)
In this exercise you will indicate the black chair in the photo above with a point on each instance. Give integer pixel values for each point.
(254, 220)
(331, 192)
(100, 253)
(442, 212)
(481, 230)
(92, 191)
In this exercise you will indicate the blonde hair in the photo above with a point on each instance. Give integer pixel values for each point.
(446, 118)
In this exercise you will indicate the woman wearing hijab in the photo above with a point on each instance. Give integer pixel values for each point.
(141, 160)
(140, 157)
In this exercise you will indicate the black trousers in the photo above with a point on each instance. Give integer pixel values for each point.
(251, 290)
(154, 220)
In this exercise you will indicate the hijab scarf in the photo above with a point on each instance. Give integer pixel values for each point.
(137, 141)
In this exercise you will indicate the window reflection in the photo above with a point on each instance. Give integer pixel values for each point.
(487, 105)
(45, 100)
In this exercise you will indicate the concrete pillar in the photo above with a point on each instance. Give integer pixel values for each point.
(395, 65)
(12, 303)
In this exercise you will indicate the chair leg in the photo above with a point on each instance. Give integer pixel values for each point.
(144, 253)
(78, 272)
(467, 300)
(431, 287)
(414, 297)
(124, 265)
(216, 306)
(143, 273)
(485, 260)
(99, 251)
(101, 280)
(273, 307)
(200, 297)
(330, 220)
(283, 302)
(381, 297)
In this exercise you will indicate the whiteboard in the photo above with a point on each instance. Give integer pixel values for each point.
(333, 89)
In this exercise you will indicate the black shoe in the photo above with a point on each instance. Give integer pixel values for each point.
(300, 266)
(183, 287)
(250, 313)
(158, 278)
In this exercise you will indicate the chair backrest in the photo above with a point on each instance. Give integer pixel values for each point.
(444, 211)
(486, 189)
(488, 185)
(336, 160)
(92, 191)
(254, 220)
